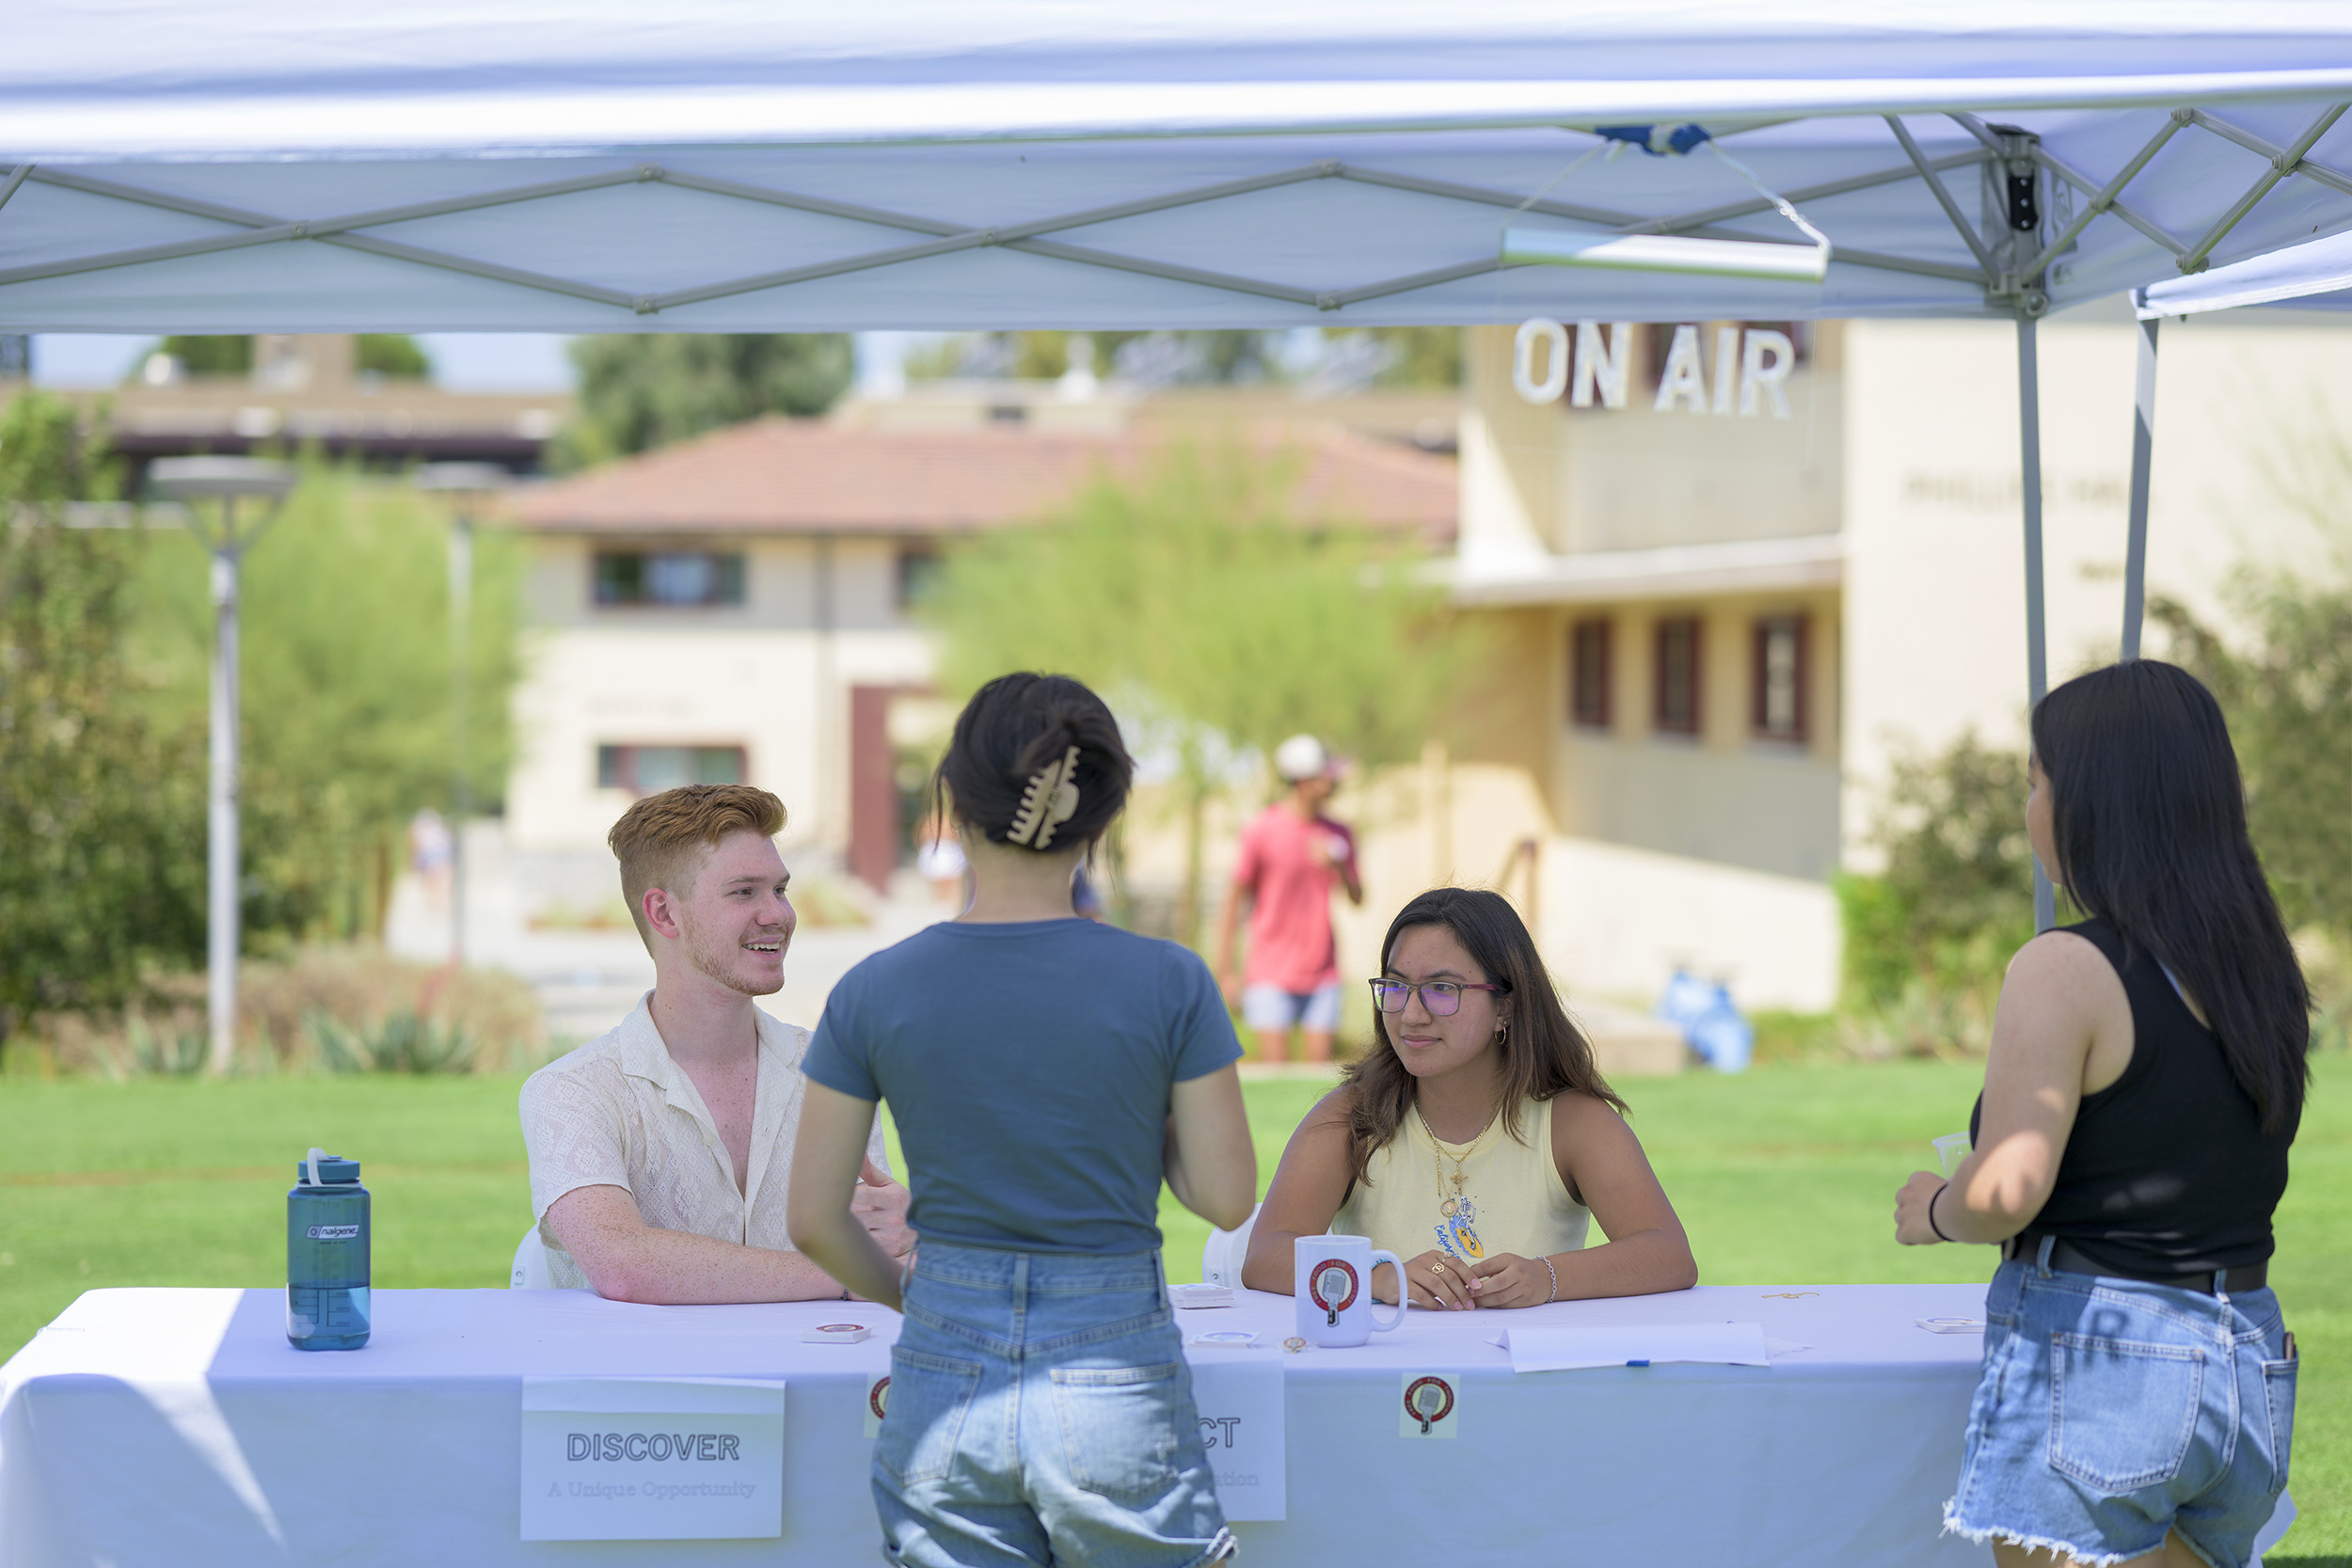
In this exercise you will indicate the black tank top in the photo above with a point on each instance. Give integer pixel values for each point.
(2167, 1170)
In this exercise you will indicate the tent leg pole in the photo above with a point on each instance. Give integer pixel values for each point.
(2143, 454)
(2037, 646)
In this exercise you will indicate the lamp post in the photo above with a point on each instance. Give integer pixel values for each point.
(466, 484)
(226, 481)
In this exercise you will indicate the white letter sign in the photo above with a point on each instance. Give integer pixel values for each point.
(1533, 332)
(1240, 1404)
(1599, 368)
(646, 1459)
(1684, 377)
(1755, 373)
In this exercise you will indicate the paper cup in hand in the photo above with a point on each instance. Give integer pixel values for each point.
(1333, 1290)
(1951, 1149)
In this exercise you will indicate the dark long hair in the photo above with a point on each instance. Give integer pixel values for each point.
(2149, 818)
(1016, 726)
(1544, 1052)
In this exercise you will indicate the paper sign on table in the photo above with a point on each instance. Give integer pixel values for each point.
(1240, 1403)
(652, 1459)
(877, 1403)
(1563, 1347)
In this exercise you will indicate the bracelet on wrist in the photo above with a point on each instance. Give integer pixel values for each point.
(1931, 1224)
(1555, 1282)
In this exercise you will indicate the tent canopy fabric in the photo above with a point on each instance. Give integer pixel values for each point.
(2314, 275)
(727, 165)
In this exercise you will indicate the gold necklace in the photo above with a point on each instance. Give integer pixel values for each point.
(1450, 1205)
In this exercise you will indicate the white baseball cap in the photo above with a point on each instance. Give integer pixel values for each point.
(1301, 757)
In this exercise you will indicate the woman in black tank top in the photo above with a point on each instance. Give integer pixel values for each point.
(2145, 1081)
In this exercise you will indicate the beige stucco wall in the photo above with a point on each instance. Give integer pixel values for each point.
(1935, 601)
(768, 675)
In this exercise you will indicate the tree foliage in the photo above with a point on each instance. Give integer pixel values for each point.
(1198, 598)
(346, 675)
(638, 391)
(1955, 898)
(98, 804)
(394, 353)
(2287, 693)
(207, 354)
(1379, 355)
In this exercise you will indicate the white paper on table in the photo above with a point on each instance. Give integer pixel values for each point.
(652, 1459)
(1240, 1406)
(1569, 1346)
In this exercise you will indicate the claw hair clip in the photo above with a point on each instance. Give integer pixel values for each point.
(1051, 799)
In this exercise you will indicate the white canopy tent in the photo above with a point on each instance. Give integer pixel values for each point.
(2314, 275)
(729, 166)
(722, 165)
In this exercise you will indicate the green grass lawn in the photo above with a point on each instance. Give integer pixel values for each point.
(1785, 1176)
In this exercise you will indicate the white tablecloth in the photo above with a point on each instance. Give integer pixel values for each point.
(176, 1427)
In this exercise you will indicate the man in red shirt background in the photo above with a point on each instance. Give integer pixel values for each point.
(1291, 855)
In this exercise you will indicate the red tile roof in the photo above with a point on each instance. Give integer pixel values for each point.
(777, 475)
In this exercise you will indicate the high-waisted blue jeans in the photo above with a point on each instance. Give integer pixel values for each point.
(1040, 1412)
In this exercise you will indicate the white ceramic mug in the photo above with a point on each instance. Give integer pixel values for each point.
(1334, 1289)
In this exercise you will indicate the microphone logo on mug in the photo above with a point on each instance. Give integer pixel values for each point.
(1333, 1287)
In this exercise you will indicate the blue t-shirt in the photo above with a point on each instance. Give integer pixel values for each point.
(1028, 1067)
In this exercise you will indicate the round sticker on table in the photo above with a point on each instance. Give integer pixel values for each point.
(1428, 1400)
(1332, 1287)
(878, 1399)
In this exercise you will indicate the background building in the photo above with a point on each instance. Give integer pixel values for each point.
(741, 605)
(1715, 632)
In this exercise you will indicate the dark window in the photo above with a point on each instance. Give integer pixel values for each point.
(1779, 678)
(669, 578)
(1589, 673)
(650, 769)
(918, 573)
(1677, 674)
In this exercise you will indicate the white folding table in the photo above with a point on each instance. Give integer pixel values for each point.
(176, 1427)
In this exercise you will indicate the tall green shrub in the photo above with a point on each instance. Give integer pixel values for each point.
(1955, 898)
(101, 802)
(347, 728)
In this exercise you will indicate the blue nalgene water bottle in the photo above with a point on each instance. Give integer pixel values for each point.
(326, 1255)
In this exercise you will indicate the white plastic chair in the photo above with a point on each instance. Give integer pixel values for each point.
(1221, 1258)
(530, 1264)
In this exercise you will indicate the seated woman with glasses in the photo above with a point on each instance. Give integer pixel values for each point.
(1477, 1140)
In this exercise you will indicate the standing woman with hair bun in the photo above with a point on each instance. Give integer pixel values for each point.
(1046, 1072)
(2146, 1078)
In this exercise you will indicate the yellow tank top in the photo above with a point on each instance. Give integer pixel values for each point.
(1511, 1198)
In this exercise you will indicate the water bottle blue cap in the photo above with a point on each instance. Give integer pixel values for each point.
(332, 1168)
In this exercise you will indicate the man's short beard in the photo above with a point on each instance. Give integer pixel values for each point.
(711, 957)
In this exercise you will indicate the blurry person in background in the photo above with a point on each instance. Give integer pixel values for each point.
(941, 862)
(1292, 856)
(432, 855)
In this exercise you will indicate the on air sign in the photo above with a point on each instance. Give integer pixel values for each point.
(1749, 366)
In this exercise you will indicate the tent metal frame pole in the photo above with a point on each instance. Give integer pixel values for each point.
(2143, 456)
(2037, 646)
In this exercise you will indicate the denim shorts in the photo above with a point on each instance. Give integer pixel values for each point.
(1272, 1007)
(1040, 1412)
(2112, 1411)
